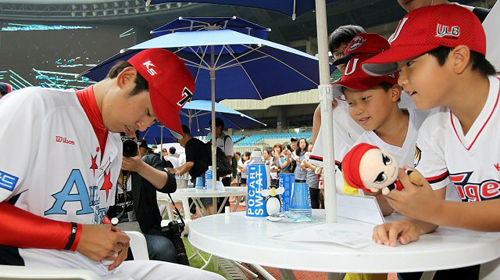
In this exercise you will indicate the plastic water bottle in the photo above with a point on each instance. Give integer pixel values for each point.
(257, 181)
(208, 178)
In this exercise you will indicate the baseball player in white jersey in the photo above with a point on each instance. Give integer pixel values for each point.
(61, 156)
(447, 41)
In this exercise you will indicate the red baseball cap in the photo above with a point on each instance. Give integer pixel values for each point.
(363, 43)
(171, 85)
(350, 165)
(355, 78)
(428, 28)
(5, 88)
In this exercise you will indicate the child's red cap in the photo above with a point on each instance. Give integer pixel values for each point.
(363, 43)
(428, 28)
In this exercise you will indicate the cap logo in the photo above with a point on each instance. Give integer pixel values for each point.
(150, 67)
(396, 33)
(351, 69)
(450, 32)
(187, 96)
(356, 43)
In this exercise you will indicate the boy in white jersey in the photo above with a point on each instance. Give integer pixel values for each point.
(440, 51)
(55, 192)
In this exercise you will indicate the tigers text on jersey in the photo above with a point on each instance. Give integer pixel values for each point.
(51, 165)
(472, 161)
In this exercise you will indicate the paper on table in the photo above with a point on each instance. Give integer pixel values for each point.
(360, 208)
(350, 235)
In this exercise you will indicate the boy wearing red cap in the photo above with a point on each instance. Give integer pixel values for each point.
(374, 105)
(56, 192)
(440, 52)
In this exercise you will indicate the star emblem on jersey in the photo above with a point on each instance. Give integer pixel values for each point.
(94, 163)
(107, 183)
(497, 166)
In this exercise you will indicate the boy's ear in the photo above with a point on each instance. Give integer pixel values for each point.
(126, 77)
(460, 58)
(395, 92)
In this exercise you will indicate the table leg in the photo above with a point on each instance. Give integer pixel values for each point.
(187, 211)
(237, 204)
(287, 274)
(335, 276)
(200, 206)
(223, 204)
(427, 275)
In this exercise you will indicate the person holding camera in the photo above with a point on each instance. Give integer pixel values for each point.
(56, 191)
(147, 177)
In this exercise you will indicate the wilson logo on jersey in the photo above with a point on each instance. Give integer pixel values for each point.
(497, 166)
(8, 181)
(64, 140)
(471, 192)
(449, 32)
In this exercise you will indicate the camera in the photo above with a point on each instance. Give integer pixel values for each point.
(129, 147)
(173, 232)
(289, 148)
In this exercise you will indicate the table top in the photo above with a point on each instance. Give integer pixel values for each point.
(192, 192)
(237, 237)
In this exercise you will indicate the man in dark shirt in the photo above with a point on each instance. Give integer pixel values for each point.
(197, 156)
(148, 177)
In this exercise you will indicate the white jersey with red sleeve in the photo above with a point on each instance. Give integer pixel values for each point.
(471, 161)
(51, 165)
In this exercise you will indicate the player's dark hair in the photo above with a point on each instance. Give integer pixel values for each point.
(172, 150)
(140, 83)
(343, 35)
(477, 60)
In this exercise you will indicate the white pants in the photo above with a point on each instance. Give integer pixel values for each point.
(160, 270)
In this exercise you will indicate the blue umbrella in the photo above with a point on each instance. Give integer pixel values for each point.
(292, 8)
(183, 24)
(265, 69)
(197, 115)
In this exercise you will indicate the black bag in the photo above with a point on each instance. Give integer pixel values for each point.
(223, 164)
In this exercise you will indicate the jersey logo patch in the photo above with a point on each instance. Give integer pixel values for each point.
(8, 181)
(471, 192)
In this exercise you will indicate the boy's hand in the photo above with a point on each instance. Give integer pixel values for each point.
(388, 234)
(417, 200)
(102, 242)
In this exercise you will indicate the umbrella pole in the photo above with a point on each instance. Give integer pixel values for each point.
(214, 140)
(161, 142)
(326, 99)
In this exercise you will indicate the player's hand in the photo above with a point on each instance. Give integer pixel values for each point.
(403, 231)
(417, 200)
(122, 255)
(133, 164)
(101, 242)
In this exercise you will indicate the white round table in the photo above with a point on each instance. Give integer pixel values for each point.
(237, 237)
(184, 194)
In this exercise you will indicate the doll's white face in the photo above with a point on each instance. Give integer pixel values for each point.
(378, 169)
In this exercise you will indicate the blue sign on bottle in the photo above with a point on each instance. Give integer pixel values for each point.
(258, 180)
